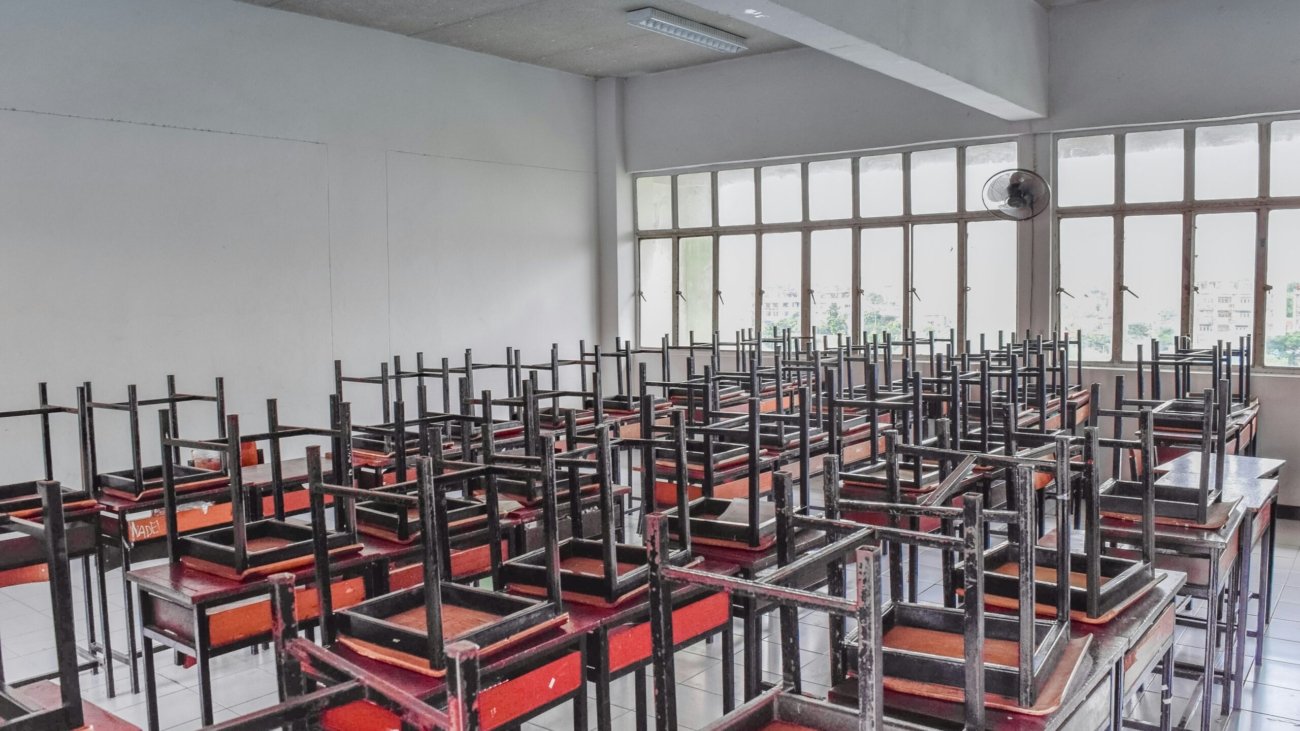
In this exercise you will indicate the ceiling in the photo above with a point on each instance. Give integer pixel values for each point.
(589, 37)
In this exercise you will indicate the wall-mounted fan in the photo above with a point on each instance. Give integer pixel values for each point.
(1016, 195)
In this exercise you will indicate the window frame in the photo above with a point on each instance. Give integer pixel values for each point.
(856, 223)
(1188, 208)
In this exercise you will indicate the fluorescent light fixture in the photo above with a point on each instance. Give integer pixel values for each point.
(675, 26)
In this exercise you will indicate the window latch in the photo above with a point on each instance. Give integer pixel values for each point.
(641, 294)
(679, 294)
(1125, 288)
(1268, 288)
(1064, 291)
(812, 296)
(720, 300)
(912, 292)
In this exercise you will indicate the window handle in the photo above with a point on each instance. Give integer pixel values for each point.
(1268, 288)
(1064, 291)
(1126, 288)
(813, 296)
(641, 294)
(679, 294)
(912, 292)
(720, 300)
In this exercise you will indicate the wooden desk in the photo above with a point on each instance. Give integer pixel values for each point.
(136, 530)
(1210, 560)
(548, 668)
(618, 639)
(203, 615)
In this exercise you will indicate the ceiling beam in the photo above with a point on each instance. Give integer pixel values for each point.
(990, 54)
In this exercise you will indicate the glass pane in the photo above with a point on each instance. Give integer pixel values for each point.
(656, 289)
(1153, 166)
(832, 281)
(982, 161)
(1087, 259)
(1223, 301)
(782, 194)
(1284, 170)
(1282, 318)
(696, 284)
(991, 278)
(1227, 161)
(694, 200)
(830, 190)
(736, 259)
(654, 203)
(880, 185)
(934, 181)
(882, 281)
(736, 197)
(782, 280)
(934, 277)
(1085, 171)
(1153, 247)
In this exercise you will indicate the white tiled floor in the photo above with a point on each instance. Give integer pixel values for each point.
(245, 682)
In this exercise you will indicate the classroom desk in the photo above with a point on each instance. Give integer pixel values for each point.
(1145, 634)
(203, 615)
(1210, 558)
(131, 531)
(1235, 465)
(749, 565)
(1259, 498)
(618, 639)
(516, 684)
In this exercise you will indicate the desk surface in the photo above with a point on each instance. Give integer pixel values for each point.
(257, 477)
(189, 587)
(1254, 492)
(1234, 465)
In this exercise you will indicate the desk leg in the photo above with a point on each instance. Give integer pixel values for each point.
(1241, 614)
(87, 596)
(1167, 690)
(598, 648)
(202, 657)
(580, 722)
(1211, 643)
(752, 637)
(1265, 608)
(104, 628)
(1117, 696)
(150, 684)
(728, 669)
(642, 722)
(128, 598)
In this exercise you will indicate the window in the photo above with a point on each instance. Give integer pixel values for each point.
(934, 278)
(736, 197)
(832, 281)
(990, 280)
(656, 289)
(694, 200)
(1086, 284)
(982, 163)
(1227, 161)
(830, 190)
(737, 271)
(1152, 288)
(882, 280)
(1193, 200)
(654, 203)
(934, 181)
(1282, 306)
(782, 282)
(1085, 171)
(782, 194)
(1224, 272)
(1153, 166)
(695, 283)
(750, 249)
(880, 183)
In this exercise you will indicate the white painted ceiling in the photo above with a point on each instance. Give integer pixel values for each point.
(588, 37)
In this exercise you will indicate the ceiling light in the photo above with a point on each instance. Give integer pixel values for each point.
(675, 26)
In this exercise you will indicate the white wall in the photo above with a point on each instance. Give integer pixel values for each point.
(204, 187)
(1113, 62)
